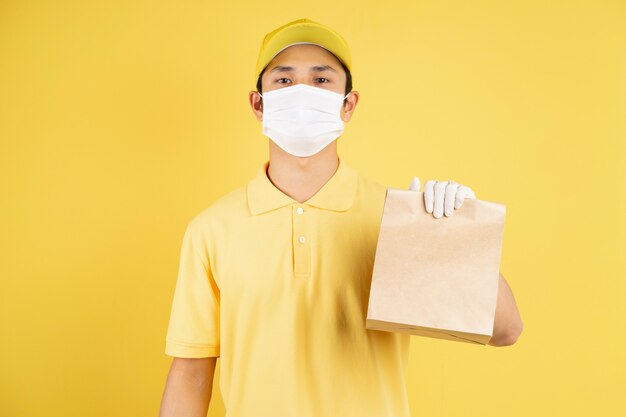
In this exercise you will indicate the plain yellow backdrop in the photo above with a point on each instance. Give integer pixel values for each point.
(120, 120)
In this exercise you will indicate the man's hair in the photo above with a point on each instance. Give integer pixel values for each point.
(346, 70)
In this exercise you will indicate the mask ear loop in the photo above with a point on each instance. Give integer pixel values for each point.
(261, 101)
(344, 97)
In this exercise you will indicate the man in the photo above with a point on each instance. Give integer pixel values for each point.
(274, 276)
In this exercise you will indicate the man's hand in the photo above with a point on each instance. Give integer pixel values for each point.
(442, 196)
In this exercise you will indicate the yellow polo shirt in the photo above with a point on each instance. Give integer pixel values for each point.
(279, 290)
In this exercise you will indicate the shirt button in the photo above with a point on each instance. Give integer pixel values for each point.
(302, 239)
(300, 210)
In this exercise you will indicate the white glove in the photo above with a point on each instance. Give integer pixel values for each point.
(442, 196)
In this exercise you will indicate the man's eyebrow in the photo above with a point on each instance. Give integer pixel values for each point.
(318, 68)
(281, 68)
(314, 68)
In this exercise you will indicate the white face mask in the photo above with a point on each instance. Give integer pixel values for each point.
(302, 119)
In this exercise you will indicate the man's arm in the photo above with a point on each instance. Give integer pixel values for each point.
(188, 388)
(507, 324)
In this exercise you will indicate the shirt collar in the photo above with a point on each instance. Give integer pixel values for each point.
(336, 194)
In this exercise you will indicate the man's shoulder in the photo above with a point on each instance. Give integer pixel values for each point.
(369, 187)
(233, 203)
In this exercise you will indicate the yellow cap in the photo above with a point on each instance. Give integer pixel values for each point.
(298, 32)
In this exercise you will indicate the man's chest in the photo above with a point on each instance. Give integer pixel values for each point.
(296, 247)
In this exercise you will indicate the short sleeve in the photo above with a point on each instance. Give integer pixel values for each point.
(194, 325)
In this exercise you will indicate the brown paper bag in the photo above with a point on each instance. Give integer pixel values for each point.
(436, 277)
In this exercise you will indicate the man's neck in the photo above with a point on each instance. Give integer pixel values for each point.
(301, 178)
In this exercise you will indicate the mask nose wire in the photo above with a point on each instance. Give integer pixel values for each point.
(344, 97)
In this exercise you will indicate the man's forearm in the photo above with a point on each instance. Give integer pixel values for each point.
(507, 323)
(188, 388)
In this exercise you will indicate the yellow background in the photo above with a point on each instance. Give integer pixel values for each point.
(120, 120)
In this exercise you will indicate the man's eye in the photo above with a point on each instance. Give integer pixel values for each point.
(282, 79)
(321, 78)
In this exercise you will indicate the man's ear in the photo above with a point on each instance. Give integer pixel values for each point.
(349, 105)
(256, 102)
